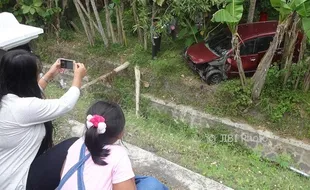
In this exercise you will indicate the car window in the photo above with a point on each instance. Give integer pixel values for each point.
(263, 43)
(247, 48)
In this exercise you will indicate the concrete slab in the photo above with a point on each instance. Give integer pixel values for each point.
(174, 176)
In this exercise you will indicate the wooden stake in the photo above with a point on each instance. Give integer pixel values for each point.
(138, 76)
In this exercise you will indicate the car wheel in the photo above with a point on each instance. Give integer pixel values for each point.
(214, 77)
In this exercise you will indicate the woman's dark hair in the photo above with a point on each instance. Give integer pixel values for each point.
(115, 121)
(19, 75)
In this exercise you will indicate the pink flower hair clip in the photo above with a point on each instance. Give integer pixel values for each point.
(96, 121)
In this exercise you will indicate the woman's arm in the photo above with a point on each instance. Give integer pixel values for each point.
(79, 73)
(126, 185)
(35, 111)
(51, 73)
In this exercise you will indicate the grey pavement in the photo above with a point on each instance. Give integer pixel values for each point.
(174, 176)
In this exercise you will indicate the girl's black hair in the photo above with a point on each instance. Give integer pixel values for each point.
(19, 73)
(115, 121)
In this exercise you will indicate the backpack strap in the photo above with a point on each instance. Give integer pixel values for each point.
(75, 168)
(80, 176)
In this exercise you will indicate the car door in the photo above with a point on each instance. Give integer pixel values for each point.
(262, 46)
(248, 58)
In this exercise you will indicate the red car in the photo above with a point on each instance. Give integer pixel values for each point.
(214, 61)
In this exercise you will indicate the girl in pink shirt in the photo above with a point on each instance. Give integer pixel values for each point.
(97, 161)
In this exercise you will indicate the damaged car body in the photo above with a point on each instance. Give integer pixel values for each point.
(213, 59)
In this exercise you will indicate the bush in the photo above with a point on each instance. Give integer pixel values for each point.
(235, 99)
(32, 12)
(277, 100)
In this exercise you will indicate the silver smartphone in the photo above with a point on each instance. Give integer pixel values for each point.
(66, 63)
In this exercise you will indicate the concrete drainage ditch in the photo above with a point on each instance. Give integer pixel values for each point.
(269, 144)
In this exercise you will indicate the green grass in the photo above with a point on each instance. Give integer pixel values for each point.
(229, 163)
(171, 79)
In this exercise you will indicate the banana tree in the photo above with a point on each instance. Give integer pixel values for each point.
(301, 11)
(306, 29)
(231, 15)
(119, 11)
(287, 10)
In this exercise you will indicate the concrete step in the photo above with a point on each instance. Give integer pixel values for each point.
(174, 176)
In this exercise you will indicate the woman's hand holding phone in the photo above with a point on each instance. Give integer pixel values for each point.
(79, 73)
(51, 73)
(79, 70)
(54, 70)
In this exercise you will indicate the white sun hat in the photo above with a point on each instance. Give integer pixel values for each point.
(14, 34)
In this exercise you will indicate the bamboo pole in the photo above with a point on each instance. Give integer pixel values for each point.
(110, 28)
(118, 22)
(104, 38)
(137, 21)
(103, 77)
(89, 16)
(122, 24)
(82, 18)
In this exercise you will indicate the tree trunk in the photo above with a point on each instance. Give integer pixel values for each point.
(287, 41)
(104, 38)
(235, 45)
(49, 5)
(89, 13)
(137, 21)
(121, 12)
(110, 28)
(251, 11)
(64, 6)
(107, 17)
(289, 49)
(84, 23)
(303, 47)
(259, 77)
(57, 25)
(118, 21)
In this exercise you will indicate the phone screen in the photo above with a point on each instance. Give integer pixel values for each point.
(66, 63)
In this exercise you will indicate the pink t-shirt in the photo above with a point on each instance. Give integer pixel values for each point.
(98, 177)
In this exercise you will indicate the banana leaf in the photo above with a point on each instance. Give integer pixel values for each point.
(306, 27)
(231, 13)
